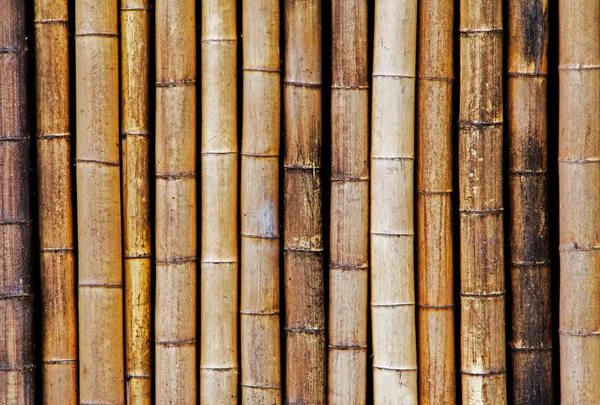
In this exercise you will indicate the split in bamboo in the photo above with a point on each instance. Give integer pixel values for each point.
(57, 261)
(176, 230)
(437, 377)
(579, 200)
(16, 292)
(392, 223)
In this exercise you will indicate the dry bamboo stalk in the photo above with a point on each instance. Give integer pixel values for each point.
(99, 202)
(136, 198)
(219, 252)
(483, 352)
(579, 200)
(349, 234)
(531, 343)
(437, 379)
(392, 223)
(176, 230)
(260, 302)
(16, 295)
(57, 261)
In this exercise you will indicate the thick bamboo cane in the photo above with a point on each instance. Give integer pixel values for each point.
(57, 261)
(579, 200)
(136, 198)
(16, 295)
(483, 345)
(260, 258)
(176, 231)
(392, 223)
(531, 343)
(437, 377)
(219, 261)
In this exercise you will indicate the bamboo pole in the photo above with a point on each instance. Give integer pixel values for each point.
(136, 198)
(219, 257)
(99, 202)
(531, 343)
(57, 261)
(16, 295)
(392, 223)
(579, 196)
(483, 363)
(176, 231)
(260, 258)
(437, 377)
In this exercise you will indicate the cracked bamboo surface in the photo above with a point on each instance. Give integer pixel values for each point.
(579, 195)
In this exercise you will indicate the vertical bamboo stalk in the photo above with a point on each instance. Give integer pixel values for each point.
(99, 202)
(437, 379)
(136, 198)
(16, 295)
(531, 343)
(483, 352)
(219, 261)
(57, 261)
(579, 196)
(260, 302)
(392, 223)
(176, 231)
(349, 234)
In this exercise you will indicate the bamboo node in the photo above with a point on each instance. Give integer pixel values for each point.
(436, 307)
(437, 79)
(527, 74)
(348, 267)
(97, 34)
(348, 347)
(392, 158)
(14, 139)
(100, 285)
(496, 211)
(53, 136)
(51, 21)
(480, 31)
(176, 83)
(262, 70)
(58, 362)
(262, 387)
(394, 76)
(354, 88)
(98, 162)
(349, 179)
(175, 343)
(471, 124)
(316, 330)
(135, 8)
(24, 367)
(15, 297)
(578, 67)
(530, 349)
(138, 256)
(260, 155)
(302, 84)
(130, 377)
(220, 369)
(586, 160)
(303, 250)
(499, 371)
(176, 175)
(125, 134)
(393, 304)
(256, 236)
(8, 222)
(177, 260)
(217, 40)
(57, 250)
(434, 192)
(250, 313)
(493, 294)
(397, 369)
(394, 234)
(519, 173)
(542, 263)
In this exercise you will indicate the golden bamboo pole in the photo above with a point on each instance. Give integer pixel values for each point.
(176, 231)
(57, 261)
(579, 200)
(392, 223)
(260, 297)
(437, 377)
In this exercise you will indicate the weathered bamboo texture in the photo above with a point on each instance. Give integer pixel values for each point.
(305, 359)
(176, 229)
(349, 213)
(16, 292)
(99, 203)
(219, 260)
(531, 342)
(57, 261)
(482, 292)
(136, 198)
(437, 377)
(392, 224)
(579, 200)
(260, 238)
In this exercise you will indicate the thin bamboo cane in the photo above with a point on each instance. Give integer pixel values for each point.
(531, 343)
(579, 200)
(219, 261)
(483, 352)
(437, 379)
(57, 261)
(136, 197)
(392, 223)
(16, 295)
(260, 302)
(176, 230)
(349, 234)
(99, 202)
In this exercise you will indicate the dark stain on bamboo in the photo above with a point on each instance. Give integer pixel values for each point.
(534, 19)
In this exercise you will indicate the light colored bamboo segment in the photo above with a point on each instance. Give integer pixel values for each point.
(392, 224)
(579, 200)
(176, 229)
(437, 377)
(260, 239)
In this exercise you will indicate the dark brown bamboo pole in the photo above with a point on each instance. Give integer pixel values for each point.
(531, 343)
(305, 359)
(436, 347)
(579, 200)
(16, 295)
(57, 261)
